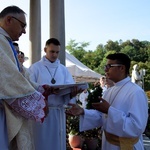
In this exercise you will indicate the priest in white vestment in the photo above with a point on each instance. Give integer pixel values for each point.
(20, 99)
(51, 135)
(122, 112)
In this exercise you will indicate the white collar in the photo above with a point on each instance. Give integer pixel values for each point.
(3, 32)
(47, 63)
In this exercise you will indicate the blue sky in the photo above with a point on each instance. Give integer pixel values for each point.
(94, 21)
(97, 21)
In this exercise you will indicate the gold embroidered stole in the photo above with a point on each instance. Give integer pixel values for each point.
(124, 142)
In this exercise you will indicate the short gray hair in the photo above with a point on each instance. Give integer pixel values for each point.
(11, 10)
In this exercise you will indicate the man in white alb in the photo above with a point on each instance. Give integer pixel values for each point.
(52, 133)
(122, 112)
(20, 99)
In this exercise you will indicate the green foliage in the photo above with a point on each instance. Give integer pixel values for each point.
(73, 125)
(138, 51)
(112, 46)
(98, 55)
(77, 49)
(148, 94)
(94, 133)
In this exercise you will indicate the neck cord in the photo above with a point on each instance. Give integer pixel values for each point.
(111, 102)
(53, 81)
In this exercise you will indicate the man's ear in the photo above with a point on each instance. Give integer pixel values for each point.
(8, 19)
(123, 68)
(45, 49)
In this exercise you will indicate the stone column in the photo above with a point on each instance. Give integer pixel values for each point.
(35, 31)
(57, 25)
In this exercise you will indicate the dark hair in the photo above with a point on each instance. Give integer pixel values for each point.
(22, 53)
(11, 9)
(52, 41)
(121, 58)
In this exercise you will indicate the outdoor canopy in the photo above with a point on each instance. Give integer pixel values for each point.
(79, 71)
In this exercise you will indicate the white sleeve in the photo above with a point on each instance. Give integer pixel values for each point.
(81, 98)
(33, 72)
(90, 120)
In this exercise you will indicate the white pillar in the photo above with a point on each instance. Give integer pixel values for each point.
(57, 25)
(35, 31)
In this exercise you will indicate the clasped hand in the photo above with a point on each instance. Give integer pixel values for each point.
(102, 106)
(76, 110)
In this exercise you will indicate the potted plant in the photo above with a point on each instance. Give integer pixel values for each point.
(75, 139)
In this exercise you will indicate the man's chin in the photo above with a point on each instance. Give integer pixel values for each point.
(52, 61)
(17, 39)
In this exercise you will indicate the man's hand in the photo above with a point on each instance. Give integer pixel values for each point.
(50, 90)
(75, 110)
(46, 109)
(102, 106)
(54, 90)
(75, 91)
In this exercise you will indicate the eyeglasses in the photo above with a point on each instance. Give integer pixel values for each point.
(23, 25)
(108, 66)
(52, 51)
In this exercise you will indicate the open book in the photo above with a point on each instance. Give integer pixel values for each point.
(66, 89)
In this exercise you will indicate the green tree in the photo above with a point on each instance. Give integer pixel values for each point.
(80, 52)
(112, 46)
(138, 51)
(98, 55)
(77, 49)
